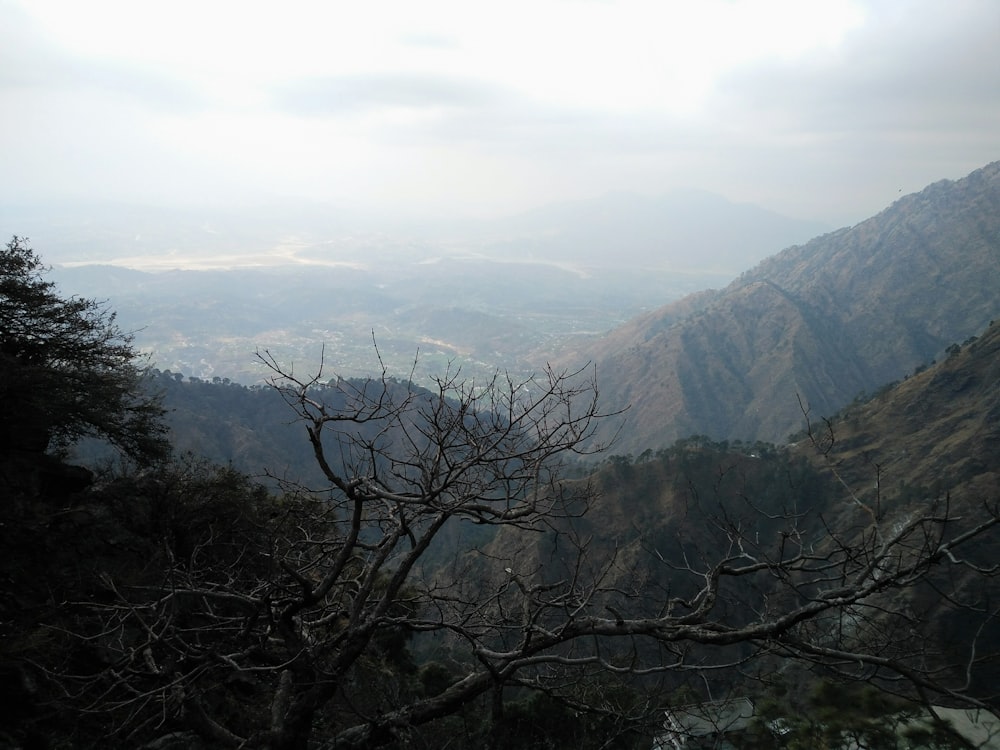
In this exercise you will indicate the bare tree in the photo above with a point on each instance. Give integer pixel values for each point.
(290, 637)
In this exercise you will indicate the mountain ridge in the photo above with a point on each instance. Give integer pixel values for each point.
(842, 314)
(679, 230)
(938, 429)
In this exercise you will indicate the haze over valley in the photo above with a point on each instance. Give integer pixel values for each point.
(483, 295)
(398, 176)
(582, 375)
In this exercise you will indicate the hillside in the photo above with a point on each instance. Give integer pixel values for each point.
(935, 433)
(841, 315)
(926, 447)
(929, 442)
(654, 530)
(249, 429)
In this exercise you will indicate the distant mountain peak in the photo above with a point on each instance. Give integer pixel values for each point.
(683, 230)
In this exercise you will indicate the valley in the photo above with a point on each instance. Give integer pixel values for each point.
(203, 292)
(544, 376)
(454, 549)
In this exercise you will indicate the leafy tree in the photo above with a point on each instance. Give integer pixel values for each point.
(67, 370)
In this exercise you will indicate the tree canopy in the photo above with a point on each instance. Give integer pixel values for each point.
(67, 370)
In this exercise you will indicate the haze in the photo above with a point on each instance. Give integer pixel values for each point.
(820, 111)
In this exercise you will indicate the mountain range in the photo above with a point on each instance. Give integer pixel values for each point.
(812, 327)
(803, 332)
(685, 231)
(785, 345)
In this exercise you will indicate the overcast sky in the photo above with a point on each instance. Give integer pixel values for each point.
(821, 110)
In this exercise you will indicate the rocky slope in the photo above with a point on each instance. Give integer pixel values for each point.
(821, 322)
(935, 434)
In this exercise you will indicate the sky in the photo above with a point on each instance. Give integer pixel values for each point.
(817, 110)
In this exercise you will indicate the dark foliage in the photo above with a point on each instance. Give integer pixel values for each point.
(184, 605)
(65, 566)
(66, 370)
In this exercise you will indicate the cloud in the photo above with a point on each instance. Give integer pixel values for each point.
(906, 99)
(30, 61)
(819, 112)
(333, 95)
(430, 40)
(937, 73)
